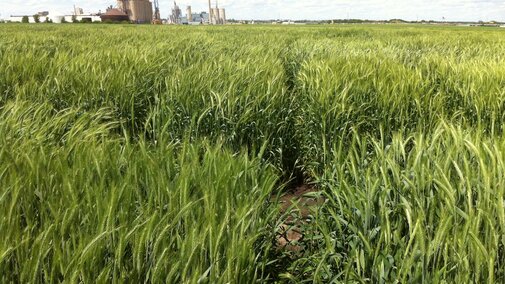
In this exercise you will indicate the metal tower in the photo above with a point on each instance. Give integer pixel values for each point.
(156, 15)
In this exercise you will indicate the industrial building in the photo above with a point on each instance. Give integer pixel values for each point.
(56, 17)
(176, 16)
(198, 18)
(138, 11)
(190, 18)
(215, 16)
(31, 19)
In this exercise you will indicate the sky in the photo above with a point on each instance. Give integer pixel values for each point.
(450, 10)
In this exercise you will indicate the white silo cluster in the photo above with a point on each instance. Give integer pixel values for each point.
(217, 15)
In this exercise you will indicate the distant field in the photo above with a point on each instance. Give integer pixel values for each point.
(156, 153)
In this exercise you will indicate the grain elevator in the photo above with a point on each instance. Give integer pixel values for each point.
(138, 11)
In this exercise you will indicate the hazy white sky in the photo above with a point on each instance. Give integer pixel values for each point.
(296, 9)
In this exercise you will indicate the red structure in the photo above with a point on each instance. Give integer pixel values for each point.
(114, 15)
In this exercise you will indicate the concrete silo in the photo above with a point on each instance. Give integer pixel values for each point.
(222, 16)
(138, 11)
(189, 14)
(215, 16)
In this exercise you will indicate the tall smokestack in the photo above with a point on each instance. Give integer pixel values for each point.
(210, 12)
(216, 14)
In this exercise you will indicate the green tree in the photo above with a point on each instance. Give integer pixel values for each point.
(25, 20)
(74, 19)
(36, 18)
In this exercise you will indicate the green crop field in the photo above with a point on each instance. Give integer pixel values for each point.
(157, 154)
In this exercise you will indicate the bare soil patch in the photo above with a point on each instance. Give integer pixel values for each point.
(297, 205)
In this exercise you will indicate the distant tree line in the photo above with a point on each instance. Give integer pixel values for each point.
(359, 21)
